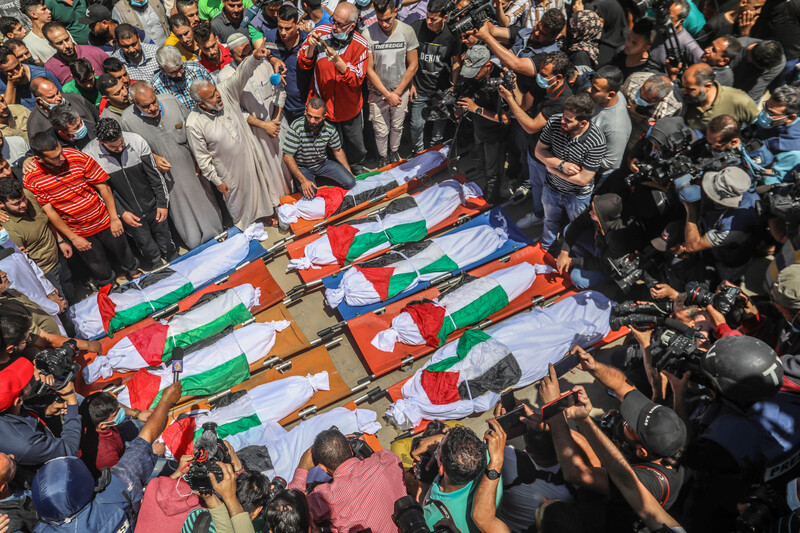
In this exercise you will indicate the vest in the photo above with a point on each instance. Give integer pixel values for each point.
(743, 218)
(21, 513)
(129, 16)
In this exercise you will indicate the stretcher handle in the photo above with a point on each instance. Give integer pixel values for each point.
(172, 309)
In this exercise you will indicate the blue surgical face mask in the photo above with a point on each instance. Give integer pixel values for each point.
(4, 236)
(543, 82)
(81, 133)
(764, 120)
(340, 36)
(119, 419)
(138, 3)
(363, 3)
(637, 97)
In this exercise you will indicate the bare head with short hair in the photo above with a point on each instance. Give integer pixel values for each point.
(346, 11)
(169, 58)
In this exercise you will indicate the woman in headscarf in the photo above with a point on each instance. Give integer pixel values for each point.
(585, 31)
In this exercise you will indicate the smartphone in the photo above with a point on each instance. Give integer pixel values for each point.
(566, 363)
(511, 423)
(508, 401)
(558, 405)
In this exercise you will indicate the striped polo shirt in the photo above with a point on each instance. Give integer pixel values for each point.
(585, 150)
(309, 150)
(71, 193)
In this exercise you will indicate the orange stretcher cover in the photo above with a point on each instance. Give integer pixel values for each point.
(395, 391)
(289, 339)
(296, 249)
(364, 328)
(304, 227)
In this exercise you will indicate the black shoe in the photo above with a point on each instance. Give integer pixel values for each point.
(383, 161)
(492, 192)
(394, 157)
(357, 169)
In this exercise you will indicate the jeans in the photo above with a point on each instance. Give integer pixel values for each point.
(584, 278)
(537, 173)
(387, 122)
(153, 239)
(352, 134)
(329, 169)
(418, 125)
(97, 257)
(556, 205)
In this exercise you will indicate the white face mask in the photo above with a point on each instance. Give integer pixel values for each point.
(791, 495)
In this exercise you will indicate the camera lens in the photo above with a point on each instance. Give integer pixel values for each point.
(408, 516)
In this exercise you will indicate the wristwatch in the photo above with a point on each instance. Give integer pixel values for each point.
(561, 166)
(479, 111)
(492, 474)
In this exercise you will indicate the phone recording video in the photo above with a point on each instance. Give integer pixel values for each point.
(557, 406)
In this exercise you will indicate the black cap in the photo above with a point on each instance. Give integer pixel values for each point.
(660, 429)
(671, 235)
(95, 13)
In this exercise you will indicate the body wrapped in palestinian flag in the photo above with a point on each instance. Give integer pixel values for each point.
(149, 346)
(209, 366)
(466, 376)
(330, 201)
(271, 449)
(387, 276)
(112, 309)
(471, 301)
(405, 219)
(240, 416)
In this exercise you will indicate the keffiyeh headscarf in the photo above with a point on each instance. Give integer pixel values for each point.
(586, 29)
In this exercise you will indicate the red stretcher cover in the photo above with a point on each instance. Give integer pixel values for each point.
(364, 328)
(296, 249)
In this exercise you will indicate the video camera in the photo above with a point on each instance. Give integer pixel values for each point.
(662, 171)
(677, 352)
(782, 201)
(209, 450)
(629, 269)
(59, 363)
(470, 17)
(409, 517)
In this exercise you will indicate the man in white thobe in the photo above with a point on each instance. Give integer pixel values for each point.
(227, 152)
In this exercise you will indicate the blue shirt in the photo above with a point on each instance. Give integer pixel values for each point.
(295, 94)
(326, 19)
(24, 95)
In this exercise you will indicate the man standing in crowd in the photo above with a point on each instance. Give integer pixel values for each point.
(611, 114)
(139, 58)
(139, 190)
(68, 16)
(70, 186)
(706, 98)
(175, 77)
(229, 19)
(67, 51)
(307, 141)
(39, 15)
(284, 43)
(182, 37)
(224, 146)
(116, 68)
(213, 54)
(115, 96)
(48, 96)
(338, 56)
(13, 120)
(149, 17)
(391, 66)
(161, 121)
(16, 79)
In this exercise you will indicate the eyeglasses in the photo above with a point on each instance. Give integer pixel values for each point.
(341, 25)
(176, 72)
(771, 113)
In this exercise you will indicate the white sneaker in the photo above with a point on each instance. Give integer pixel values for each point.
(528, 220)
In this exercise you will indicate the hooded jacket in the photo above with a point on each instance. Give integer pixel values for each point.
(166, 504)
(613, 236)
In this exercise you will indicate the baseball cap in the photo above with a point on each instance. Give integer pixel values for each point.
(476, 57)
(727, 186)
(670, 236)
(13, 379)
(659, 428)
(95, 13)
(786, 289)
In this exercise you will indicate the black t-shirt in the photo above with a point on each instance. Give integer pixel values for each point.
(719, 27)
(663, 483)
(486, 130)
(547, 104)
(619, 62)
(780, 20)
(436, 52)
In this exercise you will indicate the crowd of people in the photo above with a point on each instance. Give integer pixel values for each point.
(655, 146)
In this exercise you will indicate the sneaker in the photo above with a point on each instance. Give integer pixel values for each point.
(394, 157)
(357, 170)
(383, 161)
(528, 220)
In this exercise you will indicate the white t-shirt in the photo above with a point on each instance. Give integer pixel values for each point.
(389, 51)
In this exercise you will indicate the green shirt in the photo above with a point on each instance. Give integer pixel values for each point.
(69, 15)
(208, 9)
(458, 502)
(32, 232)
(729, 101)
(92, 95)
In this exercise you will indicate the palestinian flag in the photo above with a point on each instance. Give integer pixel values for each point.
(209, 366)
(243, 414)
(468, 303)
(387, 276)
(149, 346)
(466, 376)
(405, 219)
(114, 308)
(333, 200)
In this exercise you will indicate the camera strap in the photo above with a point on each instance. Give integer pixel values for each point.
(662, 480)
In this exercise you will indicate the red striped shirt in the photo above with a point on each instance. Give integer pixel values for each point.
(70, 192)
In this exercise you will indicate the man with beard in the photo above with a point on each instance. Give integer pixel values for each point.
(48, 95)
(225, 148)
(176, 76)
(307, 141)
(16, 79)
(139, 58)
(115, 96)
(227, 22)
(67, 51)
(117, 68)
(102, 27)
(13, 120)
(161, 120)
(706, 98)
(213, 54)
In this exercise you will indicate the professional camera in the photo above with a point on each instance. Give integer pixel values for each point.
(676, 352)
(507, 80)
(662, 171)
(629, 269)
(409, 517)
(209, 450)
(782, 201)
(59, 363)
(725, 301)
(762, 508)
(441, 106)
(470, 17)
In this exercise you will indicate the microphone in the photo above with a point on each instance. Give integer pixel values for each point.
(177, 363)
